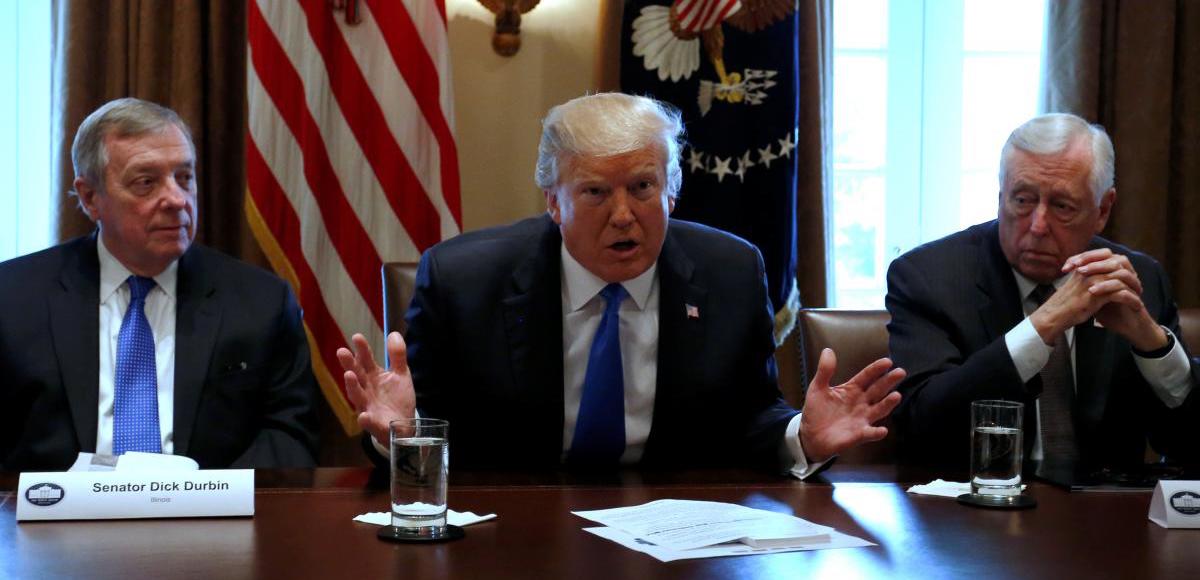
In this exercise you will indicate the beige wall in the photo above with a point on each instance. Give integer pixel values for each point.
(500, 101)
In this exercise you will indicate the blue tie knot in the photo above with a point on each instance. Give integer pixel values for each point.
(139, 286)
(613, 295)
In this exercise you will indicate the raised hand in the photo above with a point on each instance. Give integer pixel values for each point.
(841, 417)
(379, 395)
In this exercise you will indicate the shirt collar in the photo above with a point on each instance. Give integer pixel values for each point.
(582, 285)
(113, 273)
(1025, 286)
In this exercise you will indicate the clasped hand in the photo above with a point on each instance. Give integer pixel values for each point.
(1104, 285)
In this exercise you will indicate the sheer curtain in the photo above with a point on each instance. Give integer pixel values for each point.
(26, 200)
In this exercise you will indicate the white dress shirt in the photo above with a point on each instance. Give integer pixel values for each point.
(1168, 376)
(160, 313)
(582, 309)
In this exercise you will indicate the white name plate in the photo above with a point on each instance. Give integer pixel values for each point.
(1176, 504)
(99, 495)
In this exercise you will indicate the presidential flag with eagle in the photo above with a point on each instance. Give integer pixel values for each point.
(731, 68)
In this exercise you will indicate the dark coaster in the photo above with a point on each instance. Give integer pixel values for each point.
(394, 534)
(1007, 502)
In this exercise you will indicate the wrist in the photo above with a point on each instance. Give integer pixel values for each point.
(1046, 326)
(1158, 345)
(812, 450)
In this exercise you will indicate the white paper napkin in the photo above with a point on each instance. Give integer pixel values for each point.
(941, 488)
(453, 518)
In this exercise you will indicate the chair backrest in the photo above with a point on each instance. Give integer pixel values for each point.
(399, 279)
(337, 448)
(858, 338)
(1189, 323)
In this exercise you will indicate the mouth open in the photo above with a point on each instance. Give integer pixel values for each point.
(624, 245)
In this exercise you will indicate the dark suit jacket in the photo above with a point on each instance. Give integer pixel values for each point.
(485, 349)
(951, 303)
(244, 391)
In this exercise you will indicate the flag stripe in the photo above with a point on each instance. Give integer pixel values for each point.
(431, 25)
(683, 11)
(270, 200)
(725, 11)
(366, 120)
(281, 82)
(343, 299)
(359, 182)
(418, 70)
(703, 22)
(413, 134)
(351, 159)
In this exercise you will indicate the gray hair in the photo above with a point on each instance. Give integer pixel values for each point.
(1053, 133)
(607, 124)
(125, 117)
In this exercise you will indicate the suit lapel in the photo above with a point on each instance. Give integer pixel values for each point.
(75, 326)
(680, 334)
(197, 319)
(532, 312)
(998, 297)
(1000, 308)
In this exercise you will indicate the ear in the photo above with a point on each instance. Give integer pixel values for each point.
(670, 204)
(552, 207)
(1106, 203)
(87, 198)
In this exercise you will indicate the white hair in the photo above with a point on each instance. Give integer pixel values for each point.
(607, 124)
(1053, 133)
(126, 117)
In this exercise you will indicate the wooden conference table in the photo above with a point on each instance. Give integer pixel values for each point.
(303, 529)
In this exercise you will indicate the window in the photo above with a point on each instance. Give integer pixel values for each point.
(924, 94)
(26, 202)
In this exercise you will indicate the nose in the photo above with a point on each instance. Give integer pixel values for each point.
(175, 196)
(1039, 221)
(622, 214)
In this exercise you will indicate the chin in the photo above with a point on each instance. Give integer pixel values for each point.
(1042, 274)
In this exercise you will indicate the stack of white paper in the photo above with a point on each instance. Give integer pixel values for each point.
(671, 529)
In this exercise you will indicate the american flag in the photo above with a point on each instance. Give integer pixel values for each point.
(350, 158)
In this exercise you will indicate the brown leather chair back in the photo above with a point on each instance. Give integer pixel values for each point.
(1189, 323)
(858, 338)
(399, 279)
(337, 448)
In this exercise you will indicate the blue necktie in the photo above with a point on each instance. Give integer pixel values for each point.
(135, 402)
(600, 427)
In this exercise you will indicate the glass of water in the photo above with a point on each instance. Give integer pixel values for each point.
(996, 449)
(420, 462)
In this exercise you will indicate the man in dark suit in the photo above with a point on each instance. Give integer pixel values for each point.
(1036, 307)
(511, 330)
(132, 338)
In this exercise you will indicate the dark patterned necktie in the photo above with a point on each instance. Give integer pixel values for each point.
(1057, 401)
(600, 427)
(135, 384)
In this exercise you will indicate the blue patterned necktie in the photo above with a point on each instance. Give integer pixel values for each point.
(135, 405)
(600, 427)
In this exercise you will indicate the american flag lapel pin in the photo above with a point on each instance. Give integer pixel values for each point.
(693, 313)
